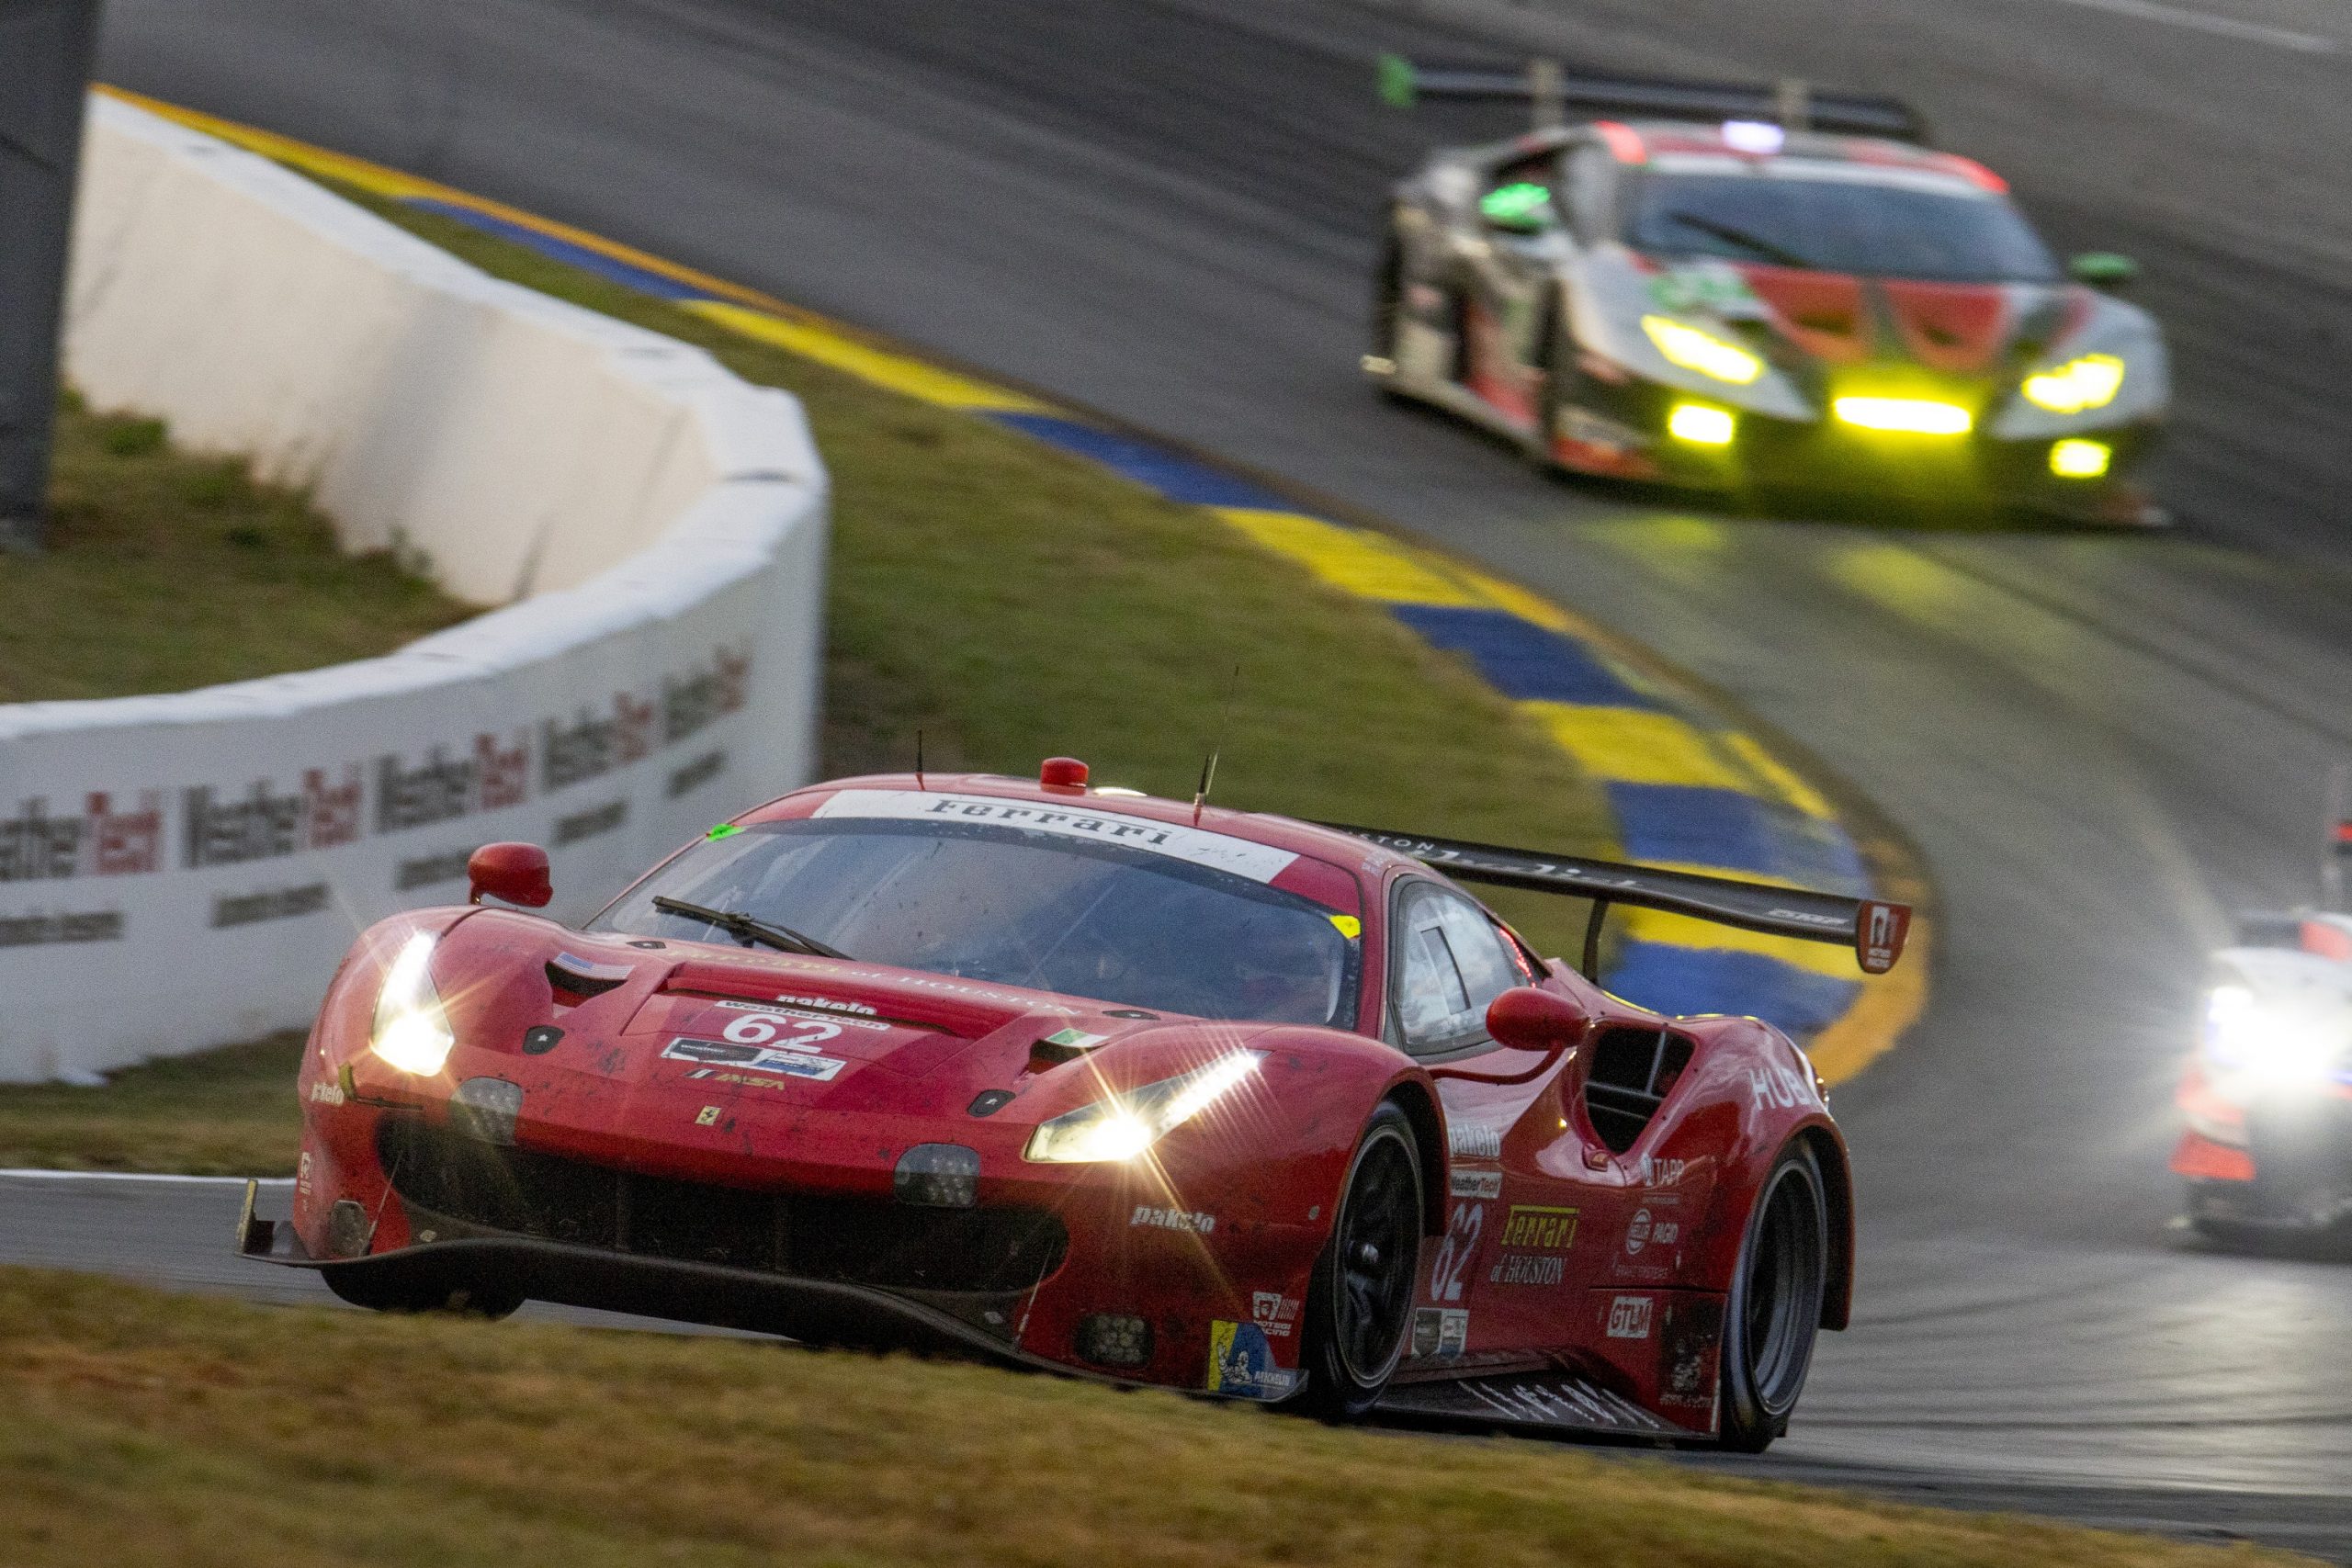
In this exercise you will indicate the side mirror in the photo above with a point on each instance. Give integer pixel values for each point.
(516, 874)
(1527, 1019)
(1520, 207)
(2103, 269)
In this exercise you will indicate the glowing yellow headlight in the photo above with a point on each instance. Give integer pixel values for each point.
(1126, 1125)
(1919, 416)
(2080, 460)
(2088, 383)
(1703, 351)
(1699, 424)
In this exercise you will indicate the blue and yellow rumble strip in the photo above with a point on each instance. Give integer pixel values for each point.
(1689, 791)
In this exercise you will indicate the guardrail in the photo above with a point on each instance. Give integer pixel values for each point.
(178, 872)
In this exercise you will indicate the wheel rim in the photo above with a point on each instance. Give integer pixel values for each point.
(1377, 1244)
(1782, 1304)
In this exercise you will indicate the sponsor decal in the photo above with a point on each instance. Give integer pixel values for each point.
(837, 1022)
(1881, 927)
(707, 1116)
(260, 824)
(1241, 1362)
(828, 1004)
(1646, 1229)
(1439, 1332)
(833, 970)
(1467, 1142)
(588, 824)
(1705, 285)
(1187, 1221)
(101, 842)
(1629, 1316)
(40, 930)
(693, 702)
(1274, 1312)
(276, 904)
(696, 773)
(1260, 862)
(592, 745)
(326, 1092)
(425, 871)
(796, 1064)
(1775, 1083)
(1547, 1229)
(1456, 1249)
(1478, 1184)
(1529, 1269)
(302, 1174)
(1662, 1173)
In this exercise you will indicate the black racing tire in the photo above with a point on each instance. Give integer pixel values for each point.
(1774, 1311)
(1563, 382)
(1360, 1304)
(462, 1301)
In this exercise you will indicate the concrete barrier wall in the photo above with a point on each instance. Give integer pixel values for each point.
(178, 872)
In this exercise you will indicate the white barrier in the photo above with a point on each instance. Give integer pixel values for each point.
(183, 871)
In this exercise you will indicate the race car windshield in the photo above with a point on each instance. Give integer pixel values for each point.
(1015, 907)
(1850, 226)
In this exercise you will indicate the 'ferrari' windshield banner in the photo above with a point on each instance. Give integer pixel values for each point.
(1259, 863)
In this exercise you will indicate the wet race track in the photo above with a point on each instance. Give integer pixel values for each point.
(2100, 745)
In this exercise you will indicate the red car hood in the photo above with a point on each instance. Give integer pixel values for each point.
(1959, 329)
(783, 1031)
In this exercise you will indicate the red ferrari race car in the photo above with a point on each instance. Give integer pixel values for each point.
(1083, 1080)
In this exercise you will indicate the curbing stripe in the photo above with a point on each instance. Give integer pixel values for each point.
(1685, 789)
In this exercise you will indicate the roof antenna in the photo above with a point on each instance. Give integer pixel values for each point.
(2339, 838)
(919, 783)
(1547, 98)
(1792, 103)
(1217, 744)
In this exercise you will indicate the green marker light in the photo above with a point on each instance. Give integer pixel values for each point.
(1396, 83)
(725, 830)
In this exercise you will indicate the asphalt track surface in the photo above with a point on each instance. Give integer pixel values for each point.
(1166, 209)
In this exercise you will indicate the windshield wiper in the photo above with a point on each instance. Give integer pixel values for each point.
(1739, 236)
(747, 928)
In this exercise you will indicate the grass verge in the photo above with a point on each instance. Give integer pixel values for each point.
(156, 1430)
(165, 572)
(1012, 603)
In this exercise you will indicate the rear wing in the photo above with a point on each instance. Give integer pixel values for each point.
(1874, 928)
(1555, 94)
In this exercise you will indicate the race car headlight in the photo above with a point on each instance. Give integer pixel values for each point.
(2088, 381)
(1126, 1125)
(2273, 1047)
(1692, 349)
(411, 1030)
(1913, 416)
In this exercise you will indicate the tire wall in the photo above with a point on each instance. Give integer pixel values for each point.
(179, 872)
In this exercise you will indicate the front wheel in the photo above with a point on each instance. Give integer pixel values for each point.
(1361, 1302)
(1775, 1306)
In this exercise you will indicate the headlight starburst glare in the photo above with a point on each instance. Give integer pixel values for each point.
(1127, 1124)
(411, 1030)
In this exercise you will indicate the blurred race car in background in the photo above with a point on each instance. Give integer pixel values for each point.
(2267, 1094)
(1740, 289)
(1088, 1081)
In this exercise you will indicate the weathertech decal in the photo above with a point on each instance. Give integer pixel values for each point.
(1259, 863)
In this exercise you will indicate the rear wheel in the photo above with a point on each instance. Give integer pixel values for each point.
(1361, 1302)
(1775, 1306)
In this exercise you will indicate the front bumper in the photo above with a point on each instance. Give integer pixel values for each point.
(1625, 434)
(1086, 1269)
